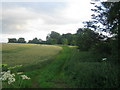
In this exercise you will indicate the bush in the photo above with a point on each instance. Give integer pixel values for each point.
(102, 48)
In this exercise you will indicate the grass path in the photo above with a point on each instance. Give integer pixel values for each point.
(51, 75)
(35, 84)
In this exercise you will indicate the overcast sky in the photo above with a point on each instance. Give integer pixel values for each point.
(37, 19)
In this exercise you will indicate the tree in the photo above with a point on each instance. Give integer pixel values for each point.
(30, 41)
(35, 40)
(73, 42)
(106, 14)
(53, 38)
(12, 40)
(69, 37)
(86, 38)
(52, 41)
(21, 40)
(64, 41)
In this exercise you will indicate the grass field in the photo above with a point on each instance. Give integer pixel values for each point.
(64, 67)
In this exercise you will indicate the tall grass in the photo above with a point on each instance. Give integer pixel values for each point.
(85, 70)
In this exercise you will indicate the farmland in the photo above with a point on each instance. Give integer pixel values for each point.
(26, 54)
(51, 66)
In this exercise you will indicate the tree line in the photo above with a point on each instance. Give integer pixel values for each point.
(14, 40)
(53, 38)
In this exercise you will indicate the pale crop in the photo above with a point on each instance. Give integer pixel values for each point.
(27, 54)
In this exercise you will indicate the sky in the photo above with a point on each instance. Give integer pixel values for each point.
(38, 19)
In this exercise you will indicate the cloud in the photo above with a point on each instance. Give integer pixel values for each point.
(77, 10)
(31, 20)
(14, 18)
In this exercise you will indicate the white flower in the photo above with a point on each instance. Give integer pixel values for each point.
(13, 74)
(7, 76)
(2, 72)
(10, 80)
(10, 77)
(25, 77)
(104, 59)
(19, 73)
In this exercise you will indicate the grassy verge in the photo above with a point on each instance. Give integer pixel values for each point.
(87, 70)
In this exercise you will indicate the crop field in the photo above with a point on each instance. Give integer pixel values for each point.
(27, 54)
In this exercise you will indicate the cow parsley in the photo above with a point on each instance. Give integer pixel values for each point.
(7, 76)
(104, 59)
(25, 77)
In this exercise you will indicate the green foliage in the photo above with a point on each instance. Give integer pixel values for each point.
(17, 66)
(112, 14)
(35, 40)
(14, 40)
(86, 38)
(21, 40)
(102, 48)
(113, 42)
(64, 41)
(83, 70)
(52, 41)
(68, 36)
(107, 14)
(53, 38)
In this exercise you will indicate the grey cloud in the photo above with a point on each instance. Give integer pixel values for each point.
(9, 25)
(14, 16)
(18, 15)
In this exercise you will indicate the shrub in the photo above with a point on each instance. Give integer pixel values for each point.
(102, 48)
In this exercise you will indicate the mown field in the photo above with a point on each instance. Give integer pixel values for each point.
(59, 67)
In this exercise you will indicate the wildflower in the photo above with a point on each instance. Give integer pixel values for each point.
(2, 72)
(19, 73)
(10, 80)
(7, 76)
(104, 59)
(10, 77)
(25, 77)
